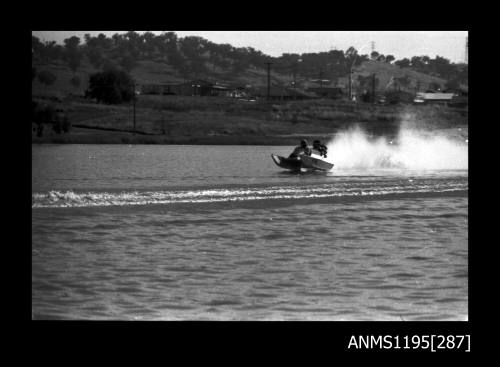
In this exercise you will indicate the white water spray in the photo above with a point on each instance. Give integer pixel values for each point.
(412, 149)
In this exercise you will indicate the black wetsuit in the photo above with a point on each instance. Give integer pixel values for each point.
(299, 151)
(321, 149)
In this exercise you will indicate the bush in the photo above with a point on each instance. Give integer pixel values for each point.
(111, 87)
(46, 77)
(43, 114)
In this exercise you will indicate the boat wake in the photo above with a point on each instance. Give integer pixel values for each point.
(61, 199)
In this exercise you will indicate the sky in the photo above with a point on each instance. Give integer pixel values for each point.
(448, 44)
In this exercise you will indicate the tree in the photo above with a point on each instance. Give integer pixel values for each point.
(403, 81)
(148, 45)
(417, 63)
(36, 45)
(404, 63)
(88, 39)
(74, 62)
(351, 52)
(72, 43)
(46, 77)
(111, 87)
(75, 81)
(128, 63)
(374, 55)
(453, 84)
(33, 73)
(389, 59)
(73, 54)
(95, 57)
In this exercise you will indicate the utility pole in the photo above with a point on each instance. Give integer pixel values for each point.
(321, 79)
(296, 65)
(135, 99)
(373, 87)
(268, 80)
(294, 75)
(350, 84)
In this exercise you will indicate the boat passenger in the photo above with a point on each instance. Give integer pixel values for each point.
(303, 148)
(319, 148)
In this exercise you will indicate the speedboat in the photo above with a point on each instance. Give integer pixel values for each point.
(307, 162)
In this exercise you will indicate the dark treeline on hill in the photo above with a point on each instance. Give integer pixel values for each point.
(196, 57)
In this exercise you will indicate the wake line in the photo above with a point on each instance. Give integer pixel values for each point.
(56, 199)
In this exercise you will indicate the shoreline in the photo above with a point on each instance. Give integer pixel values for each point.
(130, 138)
(219, 121)
(90, 136)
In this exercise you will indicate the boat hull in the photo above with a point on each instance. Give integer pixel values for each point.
(315, 162)
(304, 162)
(287, 163)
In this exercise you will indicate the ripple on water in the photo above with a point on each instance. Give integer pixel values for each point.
(223, 302)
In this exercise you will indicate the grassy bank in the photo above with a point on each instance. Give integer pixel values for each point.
(213, 120)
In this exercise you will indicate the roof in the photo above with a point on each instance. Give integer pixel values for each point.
(284, 92)
(325, 89)
(435, 96)
(199, 82)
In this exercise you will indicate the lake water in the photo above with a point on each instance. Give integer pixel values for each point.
(151, 232)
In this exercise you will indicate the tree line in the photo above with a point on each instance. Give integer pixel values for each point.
(194, 57)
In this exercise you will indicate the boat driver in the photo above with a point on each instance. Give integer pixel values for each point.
(303, 148)
(319, 148)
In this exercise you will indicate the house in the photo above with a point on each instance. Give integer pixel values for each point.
(161, 89)
(219, 89)
(398, 96)
(280, 93)
(327, 92)
(232, 91)
(152, 88)
(460, 97)
(436, 98)
(197, 87)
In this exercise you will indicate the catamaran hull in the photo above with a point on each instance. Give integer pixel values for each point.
(304, 162)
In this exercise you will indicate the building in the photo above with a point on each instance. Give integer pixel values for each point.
(460, 97)
(197, 87)
(434, 98)
(278, 93)
(327, 92)
(398, 96)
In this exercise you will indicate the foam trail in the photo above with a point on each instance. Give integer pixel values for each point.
(413, 149)
(60, 199)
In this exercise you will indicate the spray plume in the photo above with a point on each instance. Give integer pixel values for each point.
(413, 149)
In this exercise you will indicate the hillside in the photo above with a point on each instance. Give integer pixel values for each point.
(153, 72)
(385, 72)
(187, 119)
(146, 72)
(167, 58)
